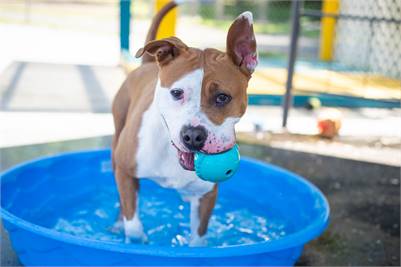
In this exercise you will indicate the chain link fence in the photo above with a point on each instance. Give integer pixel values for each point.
(367, 37)
(366, 50)
(371, 41)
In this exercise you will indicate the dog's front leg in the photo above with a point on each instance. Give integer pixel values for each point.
(201, 210)
(128, 188)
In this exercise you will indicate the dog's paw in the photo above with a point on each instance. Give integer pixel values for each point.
(133, 230)
(198, 241)
(136, 239)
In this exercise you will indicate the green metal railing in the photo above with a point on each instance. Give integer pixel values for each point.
(125, 17)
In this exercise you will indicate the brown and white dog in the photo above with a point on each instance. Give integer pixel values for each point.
(180, 100)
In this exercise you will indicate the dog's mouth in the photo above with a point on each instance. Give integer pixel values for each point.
(186, 160)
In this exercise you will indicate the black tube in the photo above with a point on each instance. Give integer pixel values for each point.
(291, 59)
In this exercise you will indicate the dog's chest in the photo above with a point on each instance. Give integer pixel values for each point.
(157, 158)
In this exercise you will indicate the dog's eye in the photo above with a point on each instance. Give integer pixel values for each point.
(177, 94)
(222, 99)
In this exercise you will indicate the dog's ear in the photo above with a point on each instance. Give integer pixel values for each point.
(164, 50)
(241, 43)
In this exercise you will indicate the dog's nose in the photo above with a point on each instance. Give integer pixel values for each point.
(193, 137)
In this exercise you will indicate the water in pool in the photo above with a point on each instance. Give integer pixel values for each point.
(167, 223)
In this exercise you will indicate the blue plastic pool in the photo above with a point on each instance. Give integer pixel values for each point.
(59, 210)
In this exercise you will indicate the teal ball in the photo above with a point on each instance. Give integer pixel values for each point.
(217, 167)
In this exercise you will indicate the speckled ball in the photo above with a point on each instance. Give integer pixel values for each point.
(217, 167)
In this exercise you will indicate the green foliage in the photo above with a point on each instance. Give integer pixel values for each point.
(277, 14)
(233, 8)
(278, 11)
(268, 28)
(207, 10)
(313, 5)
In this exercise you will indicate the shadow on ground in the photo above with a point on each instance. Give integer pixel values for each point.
(33, 86)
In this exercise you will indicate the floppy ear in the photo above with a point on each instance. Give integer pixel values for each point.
(164, 50)
(241, 43)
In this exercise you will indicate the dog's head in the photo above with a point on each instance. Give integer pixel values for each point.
(201, 94)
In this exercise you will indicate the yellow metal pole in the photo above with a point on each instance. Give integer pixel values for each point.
(167, 26)
(327, 34)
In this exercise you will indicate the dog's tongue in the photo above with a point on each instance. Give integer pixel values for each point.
(187, 160)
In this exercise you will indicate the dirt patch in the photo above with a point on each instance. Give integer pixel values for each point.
(365, 207)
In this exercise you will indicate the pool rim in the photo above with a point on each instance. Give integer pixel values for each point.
(298, 238)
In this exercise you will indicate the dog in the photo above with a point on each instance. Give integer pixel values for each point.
(179, 101)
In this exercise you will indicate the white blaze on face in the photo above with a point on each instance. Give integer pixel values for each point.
(187, 112)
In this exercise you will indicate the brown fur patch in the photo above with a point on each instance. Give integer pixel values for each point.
(206, 206)
(222, 76)
(127, 188)
(164, 50)
(129, 105)
(188, 60)
(241, 44)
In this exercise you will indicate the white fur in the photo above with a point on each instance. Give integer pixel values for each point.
(248, 15)
(194, 215)
(133, 229)
(196, 240)
(179, 113)
(188, 112)
(157, 158)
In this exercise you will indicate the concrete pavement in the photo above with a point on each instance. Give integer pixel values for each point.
(43, 102)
